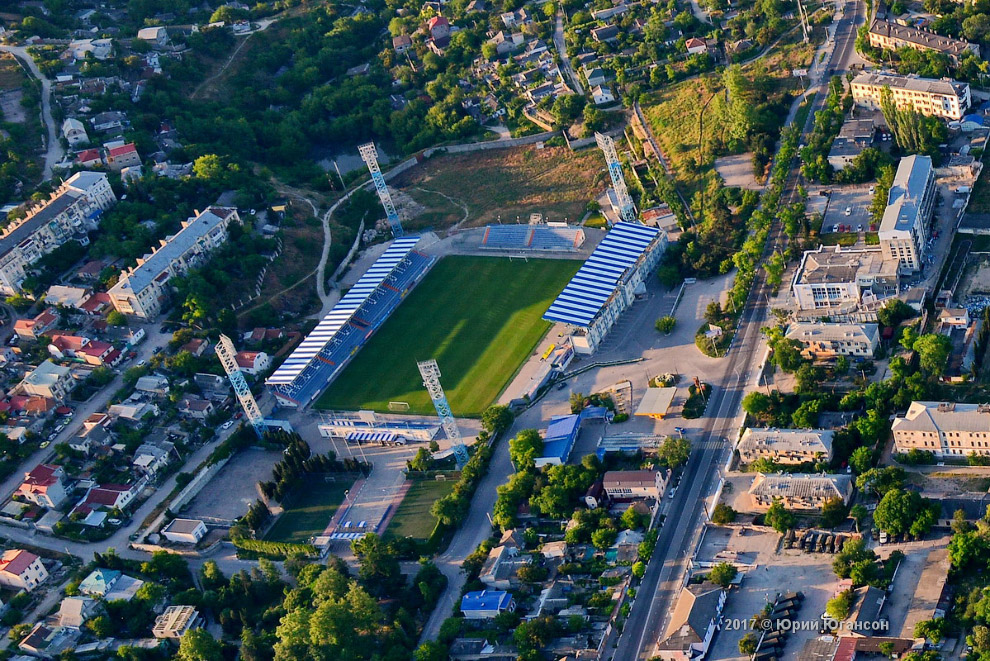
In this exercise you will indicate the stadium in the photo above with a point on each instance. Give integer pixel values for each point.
(345, 329)
(479, 317)
(608, 283)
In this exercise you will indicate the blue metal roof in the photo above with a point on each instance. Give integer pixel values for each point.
(342, 313)
(485, 600)
(560, 436)
(594, 283)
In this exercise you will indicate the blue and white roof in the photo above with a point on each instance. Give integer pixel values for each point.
(342, 313)
(594, 283)
(371, 437)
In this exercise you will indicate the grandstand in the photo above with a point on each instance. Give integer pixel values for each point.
(556, 237)
(608, 283)
(320, 358)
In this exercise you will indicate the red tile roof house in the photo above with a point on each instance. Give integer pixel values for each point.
(90, 158)
(196, 346)
(97, 304)
(64, 345)
(99, 354)
(33, 328)
(44, 485)
(21, 569)
(253, 362)
(31, 405)
(122, 157)
(106, 496)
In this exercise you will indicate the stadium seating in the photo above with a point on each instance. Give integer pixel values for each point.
(532, 237)
(320, 372)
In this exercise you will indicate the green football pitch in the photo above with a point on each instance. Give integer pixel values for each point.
(479, 317)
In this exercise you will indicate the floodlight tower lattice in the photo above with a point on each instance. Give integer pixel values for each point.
(227, 355)
(627, 211)
(430, 372)
(369, 154)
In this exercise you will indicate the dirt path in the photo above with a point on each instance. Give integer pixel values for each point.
(453, 200)
(53, 148)
(222, 69)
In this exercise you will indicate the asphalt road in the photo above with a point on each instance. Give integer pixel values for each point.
(664, 576)
(561, 46)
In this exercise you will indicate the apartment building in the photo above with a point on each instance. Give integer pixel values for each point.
(947, 429)
(71, 212)
(892, 36)
(49, 380)
(143, 290)
(910, 204)
(786, 446)
(836, 278)
(821, 341)
(799, 491)
(943, 98)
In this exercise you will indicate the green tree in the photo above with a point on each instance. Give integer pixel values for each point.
(858, 513)
(932, 630)
(723, 514)
(631, 519)
(861, 459)
(639, 569)
(834, 512)
(674, 452)
(199, 645)
(838, 608)
(806, 415)
(603, 538)
(779, 518)
(496, 418)
(933, 352)
(758, 405)
(722, 574)
(880, 480)
(379, 565)
(901, 512)
(525, 448)
(431, 650)
(748, 643)
(421, 461)
(116, 318)
(666, 324)
(853, 552)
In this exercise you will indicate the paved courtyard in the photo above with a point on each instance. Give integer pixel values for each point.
(231, 491)
(775, 571)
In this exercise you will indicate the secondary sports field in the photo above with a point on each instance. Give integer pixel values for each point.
(413, 518)
(479, 317)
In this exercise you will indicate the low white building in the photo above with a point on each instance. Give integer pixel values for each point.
(827, 340)
(184, 531)
(175, 621)
(74, 132)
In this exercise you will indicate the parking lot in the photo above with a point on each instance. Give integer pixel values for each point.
(233, 489)
(848, 206)
(773, 572)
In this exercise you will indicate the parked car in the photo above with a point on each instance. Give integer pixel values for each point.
(849, 211)
(44, 444)
(227, 424)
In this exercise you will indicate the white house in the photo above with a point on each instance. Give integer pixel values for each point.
(253, 362)
(156, 36)
(184, 531)
(21, 569)
(602, 95)
(44, 485)
(74, 131)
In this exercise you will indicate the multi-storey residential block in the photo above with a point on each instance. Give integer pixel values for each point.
(142, 291)
(946, 429)
(786, 446)
(71, 212)
(910, 204)
(944, 98)
(799, 491)
(892, 36)
(826, 340)
(828, 278)
(49, 380)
